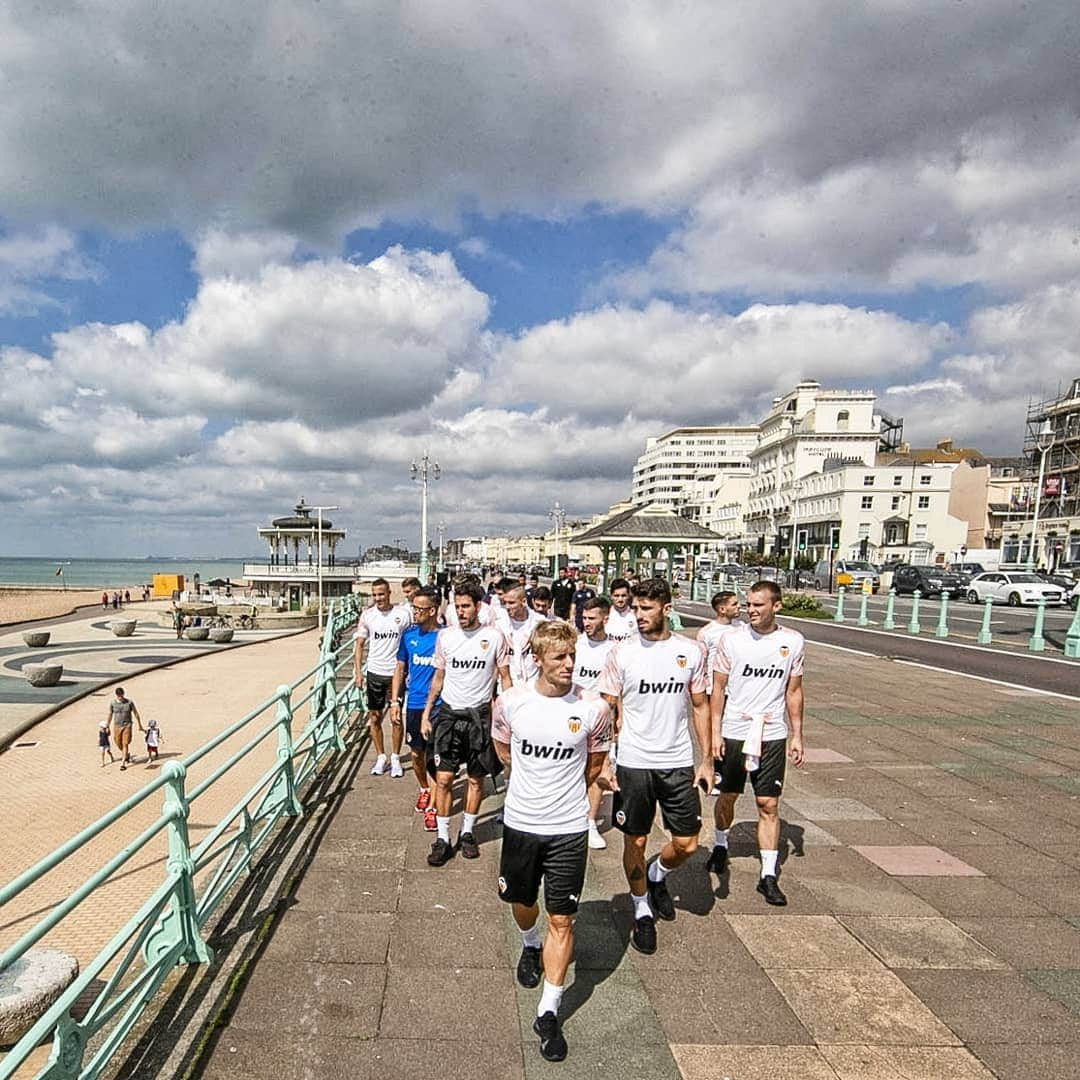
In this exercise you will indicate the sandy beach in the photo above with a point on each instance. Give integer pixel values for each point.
(24, 605)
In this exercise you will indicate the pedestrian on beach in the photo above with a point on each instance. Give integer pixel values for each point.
(115, 600)
(103, 742)
(105, 600)
(153, 738)
(127, 596)
(122, 713)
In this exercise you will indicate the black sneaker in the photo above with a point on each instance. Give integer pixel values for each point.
(644, 936)
(660, 899)
(530, 965)
(552, 1043)
(440, 853)
(771, 891)
(717, 863)
(468, 846)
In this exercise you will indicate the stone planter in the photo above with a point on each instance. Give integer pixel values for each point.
(36, 638)
(197, 633)
(221, 634)
(29, 987)
(43, 674)
(123, 627)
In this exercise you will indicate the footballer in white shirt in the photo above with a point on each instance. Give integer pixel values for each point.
(621, 622)
(517, 621)
(656, 684)
(557, 739)
(757, 721)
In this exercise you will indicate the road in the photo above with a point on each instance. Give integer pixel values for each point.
(1007, 661)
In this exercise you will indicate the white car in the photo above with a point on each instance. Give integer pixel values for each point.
(1013, 588)
(1074, 597)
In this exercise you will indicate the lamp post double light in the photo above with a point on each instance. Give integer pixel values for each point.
(423, 471)
(1043, 441)
(558, 515)
(318, 557)
(441, 530)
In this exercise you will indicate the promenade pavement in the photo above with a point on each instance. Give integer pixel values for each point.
(91, 655)
(932, 864)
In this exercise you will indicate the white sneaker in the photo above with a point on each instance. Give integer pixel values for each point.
(380, 766)
(596, 841)
(395, 766)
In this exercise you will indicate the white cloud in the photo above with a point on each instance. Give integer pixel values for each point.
(30, 260)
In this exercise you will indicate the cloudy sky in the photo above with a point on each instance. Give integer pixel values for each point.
(253, 254)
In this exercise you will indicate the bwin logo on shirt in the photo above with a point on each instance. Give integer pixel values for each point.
(558, 752)
(672, 686)
(773, 671)
(468, 665)
(589, 673)
(382, 635)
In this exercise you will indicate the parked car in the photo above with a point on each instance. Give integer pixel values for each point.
(858, 570)
(969, 568)
(1062, 581)
(1073, 599)
(1013, 588)
(929, 580)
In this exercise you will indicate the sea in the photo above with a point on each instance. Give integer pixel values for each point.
(116, 573)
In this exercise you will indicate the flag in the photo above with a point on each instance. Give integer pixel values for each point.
(59, 571)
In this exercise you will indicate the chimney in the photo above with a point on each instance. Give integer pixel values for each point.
(945, 445)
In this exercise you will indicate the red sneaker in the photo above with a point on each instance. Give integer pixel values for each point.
(423, 800)
(429, 821)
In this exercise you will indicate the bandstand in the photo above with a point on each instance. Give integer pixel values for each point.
(301, 551)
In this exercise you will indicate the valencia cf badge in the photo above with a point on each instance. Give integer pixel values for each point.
(620, 817)
(784, 650)
(681, 660)
(502, 885)
(574, 724)
(484, 643)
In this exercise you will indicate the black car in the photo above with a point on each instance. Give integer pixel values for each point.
(929, 580)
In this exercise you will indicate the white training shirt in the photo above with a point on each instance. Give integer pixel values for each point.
(471, 660)
(523, 667)
(709, 637)
(621, 625)
(550, 740)
(655, 679)
(589, 660)
(758, 667)
(484, 614)
(382, 631)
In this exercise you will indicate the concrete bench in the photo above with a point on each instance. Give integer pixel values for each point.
(43, 674)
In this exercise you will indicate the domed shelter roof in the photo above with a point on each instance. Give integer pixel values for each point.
(302, 520)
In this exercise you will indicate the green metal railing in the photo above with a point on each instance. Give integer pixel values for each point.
(166, 929)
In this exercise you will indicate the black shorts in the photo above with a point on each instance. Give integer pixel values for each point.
(413, 735)
(377, 691)
(463, 737)
(767, 779)
(559, 861)
(641, 789)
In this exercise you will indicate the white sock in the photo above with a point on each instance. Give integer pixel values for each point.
(442, 828)
(468, 822)
(550, 999)
(531, 937)
(768, 863)
(657, 871)
(592, 825)
(395, 758)
(720, 837)
(641, 905)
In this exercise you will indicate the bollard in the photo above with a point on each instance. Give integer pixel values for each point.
(863, 620)
(983, 636)
(913, 626)
(943, 616)
(1037, 642)
(1072, 637)
(890, 622)
(839, 616)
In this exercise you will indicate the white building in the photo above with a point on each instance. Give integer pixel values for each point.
(676, 464)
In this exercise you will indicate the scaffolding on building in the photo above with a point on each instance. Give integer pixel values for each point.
(1061, 473)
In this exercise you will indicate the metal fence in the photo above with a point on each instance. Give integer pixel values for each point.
(166, 929)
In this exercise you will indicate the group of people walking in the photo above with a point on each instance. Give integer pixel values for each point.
(495, 682)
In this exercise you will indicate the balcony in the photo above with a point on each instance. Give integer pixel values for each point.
(292, 572)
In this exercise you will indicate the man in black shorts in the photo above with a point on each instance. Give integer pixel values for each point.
(557, 738)
(655, 682)
(760, 671)
(468, 659)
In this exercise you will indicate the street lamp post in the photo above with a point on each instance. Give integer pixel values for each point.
(441, 529)
(1043, 441)
(558, 515)
(423, 471)
(318, 557)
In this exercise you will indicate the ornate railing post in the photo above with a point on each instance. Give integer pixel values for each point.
(943, 617)
(284, 790)
(983, 636)
(179, 923)
(1072, 637)
(913, 626)
(1037, 643)
(890, 621)
(839, 615)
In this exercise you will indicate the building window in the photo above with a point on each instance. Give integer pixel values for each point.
(867, 502)
(864, 530)
(896, 502)
(868, 480)
(924, 502)
(897, 480)
(920, 532)
(843, 419)
(925, 479)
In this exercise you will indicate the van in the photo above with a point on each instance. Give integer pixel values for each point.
(856, 570)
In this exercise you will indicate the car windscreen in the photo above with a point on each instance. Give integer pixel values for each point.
(861, 566)
(1024, 579)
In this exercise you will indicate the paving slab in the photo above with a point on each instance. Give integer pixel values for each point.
(921, 943)
(333, 937)
(880, 896)
(804, 942)
(829, 809)
(823, 755)
(339, 890)
(860, 1007)
(752, 1062)
(1028, 943)
(917, 860)
(1063, 986)
(974, 896)
(904, 1063)
(1025, 1061)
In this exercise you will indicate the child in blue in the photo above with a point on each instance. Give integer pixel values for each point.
(415, 671)
(103, 742)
